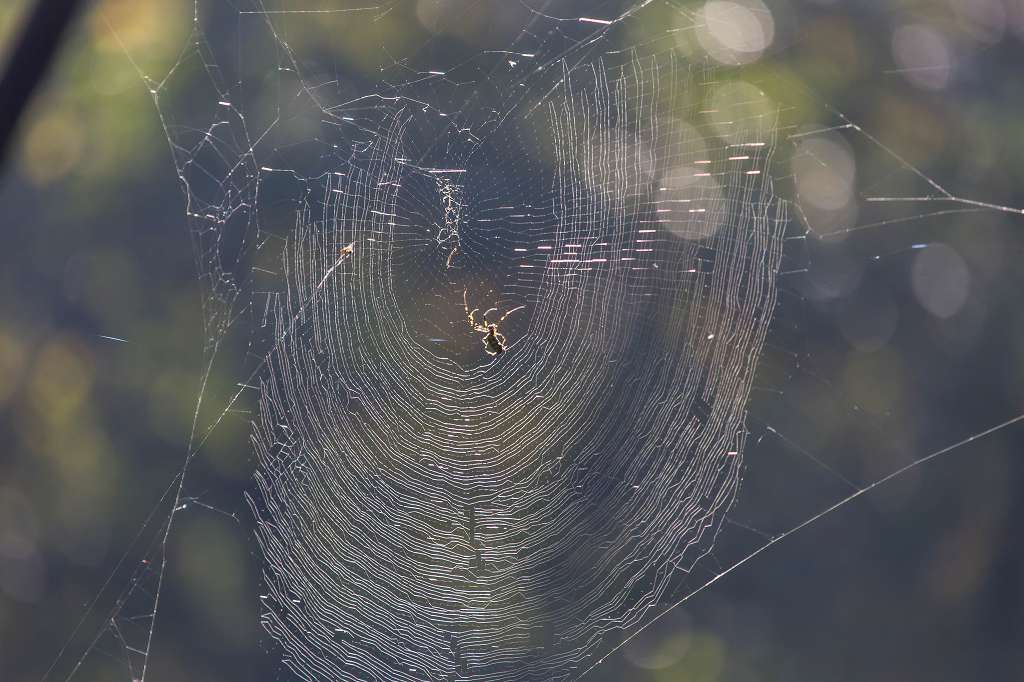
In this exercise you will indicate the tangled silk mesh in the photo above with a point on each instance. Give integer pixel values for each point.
(428, 510)
(497, 318)
(502, 322)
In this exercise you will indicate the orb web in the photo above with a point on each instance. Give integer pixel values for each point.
(497, 319)
(431, 506)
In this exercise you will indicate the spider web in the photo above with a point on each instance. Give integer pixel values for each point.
(496, 322)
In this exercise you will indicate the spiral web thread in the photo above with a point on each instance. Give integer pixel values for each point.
(431, 505)
(500, 322)
(425, 519)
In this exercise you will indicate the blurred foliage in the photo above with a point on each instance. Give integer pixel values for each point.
(94, 428)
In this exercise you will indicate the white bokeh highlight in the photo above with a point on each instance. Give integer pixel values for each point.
(735, 31)
(941, 280)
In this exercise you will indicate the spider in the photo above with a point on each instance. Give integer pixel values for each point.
(494, 341)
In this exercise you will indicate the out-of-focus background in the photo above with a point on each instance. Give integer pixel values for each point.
(902, 338)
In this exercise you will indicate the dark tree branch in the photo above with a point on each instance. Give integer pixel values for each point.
(30, 60)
